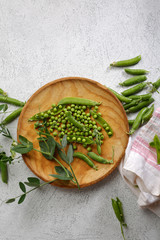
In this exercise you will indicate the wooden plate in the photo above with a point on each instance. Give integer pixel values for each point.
(112, 111)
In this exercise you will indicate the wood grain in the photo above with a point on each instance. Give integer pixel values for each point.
(112, 111)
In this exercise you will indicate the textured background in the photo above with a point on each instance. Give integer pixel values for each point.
(42, 40)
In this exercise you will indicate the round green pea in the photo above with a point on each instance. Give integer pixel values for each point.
(55, 134)
(78, 139)
(83, 140)
(55, 109)
(60, 106)
(74, 147)
(89, 149)
(74, 138)
(99, 128)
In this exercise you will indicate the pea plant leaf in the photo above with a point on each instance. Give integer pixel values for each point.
(5, 158)
(22, 187)
(47, 146)
(70, 154)
(62, 174)
(21, 199)
(5, 132)
(33, 182)
(10, 200)
(64, 141)
(24, 146)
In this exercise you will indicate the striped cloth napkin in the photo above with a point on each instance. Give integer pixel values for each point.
(139, 167)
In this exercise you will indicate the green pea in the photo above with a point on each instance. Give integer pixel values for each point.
(83, 140)
(99, 129)
(86, 134)
(74, 147)
(58, 124)
(55, 134)
(89, 149)
(90, 137)
(72, 109)
(84, 107)
(94, 123)
(96, 107)
(88, 114)
(55, 109)
(63, 126)
(76, 107)
(53, 105)
(99, 114)
(59, 129)
(74, 138)
(49, 111)
(85, 121)
(109, 133)
(68, 138)
(60, 106)
(79, 139)
(94, 127)
(102, 137)
(95, 115)
(63, 121)
(56, 118)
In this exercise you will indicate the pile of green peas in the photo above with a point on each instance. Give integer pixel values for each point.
(60, 124)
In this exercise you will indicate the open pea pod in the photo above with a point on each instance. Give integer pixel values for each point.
(103, 123)
(45, 115)
(80, 139)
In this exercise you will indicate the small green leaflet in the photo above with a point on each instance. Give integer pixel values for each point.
(22, 187)
(64, 141)
(21, 199)
(5, 132)
(47, 145)
(33, 182)
(3, 107)
(10, 200)
(70, 154)
(62, 175)
(24, 146)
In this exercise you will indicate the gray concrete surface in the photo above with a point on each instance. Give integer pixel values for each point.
(42, 40)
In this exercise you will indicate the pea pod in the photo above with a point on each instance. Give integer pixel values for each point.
(125, 63)
(41, 115)
(130, 122)
(4, 171)
(79, 139)
(103, 123)
(13, 101)
(85, 159)
(120, 97)
(78, 101)
(138, 121)
(12, 116)
(148, 114)
(77, 124)
(141, 97)
(139, 87)
(116, 210)
(136, 71)
(140, 106)
(133, 81)
(131, 104)
(157, 147)
(100, 159)
(156, 85)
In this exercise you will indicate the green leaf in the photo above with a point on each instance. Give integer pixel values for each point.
(64, 141)
(48, 146)
(3, 107)
(62, 155)
(10, 200)
(22, 187)
(61, 177)
(21, 199)
(24, 146)
(32, 184)
(60, 170)
(5, 132)
(70, 154)
(34, 180)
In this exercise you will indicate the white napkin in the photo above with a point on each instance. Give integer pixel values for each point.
(139, 167)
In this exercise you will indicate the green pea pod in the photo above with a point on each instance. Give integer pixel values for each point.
(116, 210)
(98, 158)
(133, 81)
(119, 203)
(88, 141)
(85, 159)
(156, 85)
(141, 97)
(139, 87)
(157, 146)
(40, 116)
(12, 116)
(136, 71)
(103, 123)
(13, 101)
(152, 144)
(78, 101)
(4, 171)
(99, 149)
(125, 63)
(130, 122)
(138, 120)
(77, 124)
(140, 106)
(131, 104)
(121, 97)
(148, 114)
